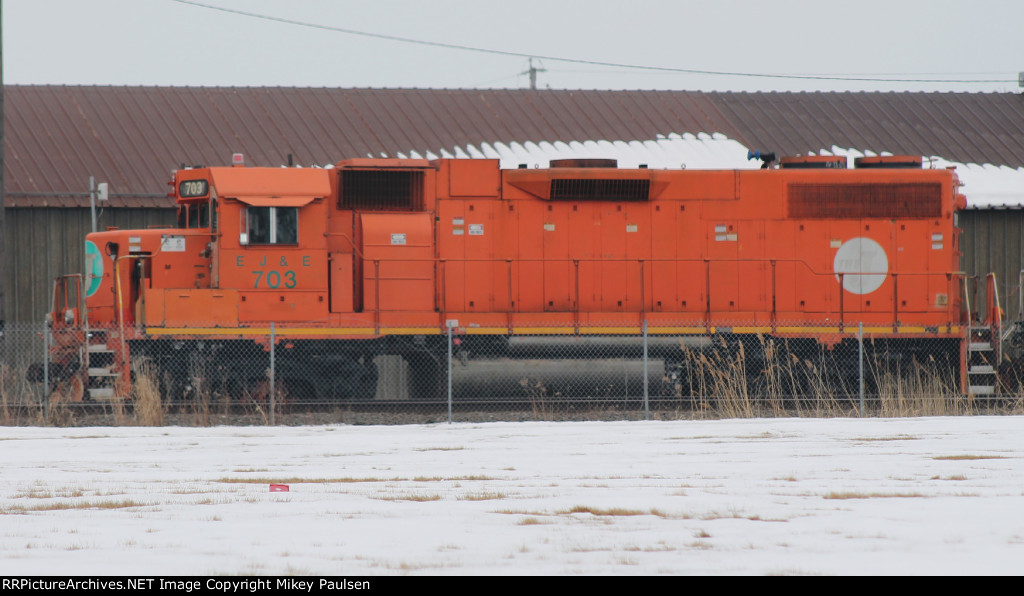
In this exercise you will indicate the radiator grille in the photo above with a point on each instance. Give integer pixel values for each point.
(571, 189)
(381, 190)
(810, 201)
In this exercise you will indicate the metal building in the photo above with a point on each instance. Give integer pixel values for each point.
(56, 137)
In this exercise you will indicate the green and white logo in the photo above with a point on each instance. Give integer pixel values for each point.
(93, 268)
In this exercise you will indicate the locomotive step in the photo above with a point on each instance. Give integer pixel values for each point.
(980, 346)
(981, 390)
(102, 372)
(102, 393)
(982, 369)
(101, 348)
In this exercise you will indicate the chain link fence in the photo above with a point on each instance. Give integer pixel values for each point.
(270, 374)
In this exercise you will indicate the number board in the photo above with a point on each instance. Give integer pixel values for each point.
(190, 189)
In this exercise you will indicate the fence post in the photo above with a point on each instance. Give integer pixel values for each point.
(860, 354)
(647, 409)
(46, 372)
(450, 371)
(273, 403)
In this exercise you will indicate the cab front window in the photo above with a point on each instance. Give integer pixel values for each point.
(194, 215)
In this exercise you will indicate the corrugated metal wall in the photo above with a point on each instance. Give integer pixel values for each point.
(993, 242)
(43, 243)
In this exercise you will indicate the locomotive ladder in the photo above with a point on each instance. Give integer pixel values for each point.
(106, 367)
(102, 375)
(982, 373)
(983, 350)
(101, 371)
(96, 375)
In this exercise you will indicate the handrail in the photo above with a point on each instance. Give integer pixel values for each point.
(995, 316)
(965, 351)
(1020, 294)
(352, 243)
(375, 266)
(59, 282)
(440, 293)
(574, 263)
(570, 261)
(993, 299)
(117, 290)
(60, 295)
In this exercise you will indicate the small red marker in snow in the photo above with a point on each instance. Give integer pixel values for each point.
(278, 488)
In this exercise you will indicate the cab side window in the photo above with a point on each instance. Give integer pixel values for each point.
(273, 225)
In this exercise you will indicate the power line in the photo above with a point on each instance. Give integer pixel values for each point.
(877, 75)
(452, 46)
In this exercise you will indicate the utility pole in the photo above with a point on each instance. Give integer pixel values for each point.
(532, 71)
(3, 197)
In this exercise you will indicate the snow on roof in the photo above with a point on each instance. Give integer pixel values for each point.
(986, 186)
(701, 151)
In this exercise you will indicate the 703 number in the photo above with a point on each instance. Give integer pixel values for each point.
(274, 279)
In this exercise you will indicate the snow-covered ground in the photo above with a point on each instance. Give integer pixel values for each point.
(778, 496)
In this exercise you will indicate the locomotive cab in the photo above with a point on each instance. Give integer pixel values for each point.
(249, 248)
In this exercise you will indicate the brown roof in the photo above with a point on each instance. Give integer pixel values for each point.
(132, 137)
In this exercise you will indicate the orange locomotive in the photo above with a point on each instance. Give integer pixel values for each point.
(381, 256)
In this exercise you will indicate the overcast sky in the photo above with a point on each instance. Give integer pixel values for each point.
(179, 42)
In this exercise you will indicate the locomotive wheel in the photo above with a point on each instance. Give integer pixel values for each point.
(365, 382)
(240, 381)
(293, 390)
(259, 391)
(354, 380)
(428, 377)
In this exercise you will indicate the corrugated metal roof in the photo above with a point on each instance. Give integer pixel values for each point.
(131, 137)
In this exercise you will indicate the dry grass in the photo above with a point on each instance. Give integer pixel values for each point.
(857, 495)
(775, 377)
(299, 480)
(727, 382)
(57, 411)
(614, 511)
(968, 457)
(200, 398)
(734, 377)
(896, 438)
(37, 491)
(451, 478)
(9, 393)
(66, 505)
(484, 496)
(408, 497)
(147, 409)
(927, 389)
